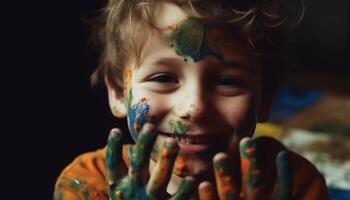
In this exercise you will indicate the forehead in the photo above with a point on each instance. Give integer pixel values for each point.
(169, 18)
(167, 14)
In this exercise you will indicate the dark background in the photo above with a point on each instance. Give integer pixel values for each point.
(52, 114)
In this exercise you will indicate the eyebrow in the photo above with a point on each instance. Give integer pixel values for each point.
(176, 62)
(168, 61)
(230, 64)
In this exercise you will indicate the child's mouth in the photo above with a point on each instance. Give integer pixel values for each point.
(191, 143)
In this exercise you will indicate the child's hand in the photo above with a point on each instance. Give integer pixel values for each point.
(252, 185)
(135, 184)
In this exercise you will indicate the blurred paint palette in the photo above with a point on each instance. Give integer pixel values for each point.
(330, 153)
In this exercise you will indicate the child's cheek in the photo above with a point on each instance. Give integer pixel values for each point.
(250, 118)
(138, 113)
(242, 116)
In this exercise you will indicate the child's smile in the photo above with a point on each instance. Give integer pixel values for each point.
(197, 84)
(201, 103)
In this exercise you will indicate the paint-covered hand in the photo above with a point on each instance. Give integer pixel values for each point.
(252, 184)
(137, 183)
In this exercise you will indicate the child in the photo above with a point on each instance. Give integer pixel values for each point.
(192, 78)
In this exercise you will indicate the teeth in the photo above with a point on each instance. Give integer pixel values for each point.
(189, 140)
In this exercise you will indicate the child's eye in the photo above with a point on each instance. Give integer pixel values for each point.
(228, 81)
(164, 78)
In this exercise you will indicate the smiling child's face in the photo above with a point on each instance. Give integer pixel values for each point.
(195, 84)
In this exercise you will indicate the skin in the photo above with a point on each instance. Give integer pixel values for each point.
(137, 184)
(215, 80)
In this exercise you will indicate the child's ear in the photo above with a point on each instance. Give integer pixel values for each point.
(116, 101)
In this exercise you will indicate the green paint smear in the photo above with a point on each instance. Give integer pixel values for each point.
(129, 99)
(76, 185)
(190, 38)
(254, 180)
(113, 158)
(222, 165)
(229, 196)
(178, 127)
(142, 150)
(131, 190)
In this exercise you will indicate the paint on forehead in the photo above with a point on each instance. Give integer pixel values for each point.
(191, 39)
(177, 127)
(137, 114)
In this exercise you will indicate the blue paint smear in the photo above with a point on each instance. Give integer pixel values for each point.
(137, 117)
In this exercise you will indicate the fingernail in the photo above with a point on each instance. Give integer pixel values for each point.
(282, 157)
(221, 163)
(115, 132)
(220, 156)
(148, 128)
(190, 179)
(205, 186)
(247, 142)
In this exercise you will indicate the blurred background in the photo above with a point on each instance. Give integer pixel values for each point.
(52, 113)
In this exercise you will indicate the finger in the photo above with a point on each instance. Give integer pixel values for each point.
(160, 176)
(224, 181)
(206, 191)
(284, 176)
(251, 174)
(185, 190)
(141, 153)
(114, 156)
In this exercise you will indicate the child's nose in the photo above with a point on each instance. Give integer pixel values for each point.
(194, 105)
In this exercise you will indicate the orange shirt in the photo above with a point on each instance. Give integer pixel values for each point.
(85, 178)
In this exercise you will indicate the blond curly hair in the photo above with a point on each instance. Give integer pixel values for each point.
(264, 23)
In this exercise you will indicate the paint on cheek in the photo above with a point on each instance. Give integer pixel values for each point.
(177, 127)
(190, 39)
(137, 114)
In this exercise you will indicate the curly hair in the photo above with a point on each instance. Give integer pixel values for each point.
(264, 23)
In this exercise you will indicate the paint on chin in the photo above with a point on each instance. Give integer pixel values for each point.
(177, 127)
(191, 39)
(137, 114)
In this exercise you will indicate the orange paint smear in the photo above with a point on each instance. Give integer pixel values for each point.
(245, 165)
(165, 153)
(181, 163)
(250, 151)
(127, 80)
(143, 99)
